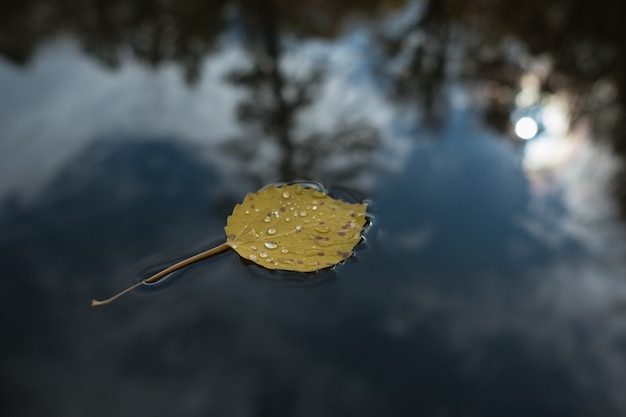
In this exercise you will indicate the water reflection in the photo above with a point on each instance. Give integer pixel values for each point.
(491, 282)
(277, 98)
(564, 78)
(152, 32)
(416, 44)
(526, 275)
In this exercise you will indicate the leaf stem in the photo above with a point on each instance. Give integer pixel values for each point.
(156, 277)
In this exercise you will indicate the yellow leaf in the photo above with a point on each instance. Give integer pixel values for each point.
(294, 228)
(288, 227)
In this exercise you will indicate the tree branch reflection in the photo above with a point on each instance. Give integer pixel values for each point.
(275, 100)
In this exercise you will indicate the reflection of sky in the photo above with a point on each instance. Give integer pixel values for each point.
(63, 101)
(492, 262)
(474, 294)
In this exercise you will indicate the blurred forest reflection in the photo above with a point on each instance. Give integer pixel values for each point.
(274, 101)
(565, 49)
(156, 31)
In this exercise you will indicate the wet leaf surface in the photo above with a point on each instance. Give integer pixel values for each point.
(295, 228)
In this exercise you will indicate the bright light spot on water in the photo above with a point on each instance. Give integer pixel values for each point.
(526, 128)
(546, 152)
(555, 118)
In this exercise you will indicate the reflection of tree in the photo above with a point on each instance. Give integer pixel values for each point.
(418, 55)
(274, 103)
(581, 45)
(580, 50)
(157, 31)
(154, 31)
(570, 49)
(492, 39)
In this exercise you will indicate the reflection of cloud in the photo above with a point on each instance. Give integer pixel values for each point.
(412, 239)
(316, 112)
(579, 173)
(545, 320)
(350, 94)
(65, 101)
(526, 293)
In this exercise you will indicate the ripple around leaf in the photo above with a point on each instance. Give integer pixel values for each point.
(307, 229)
(287, 227)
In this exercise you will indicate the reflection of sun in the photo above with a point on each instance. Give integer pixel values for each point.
(562, 157)
(553, 147)
(526, 128)
(550, 143)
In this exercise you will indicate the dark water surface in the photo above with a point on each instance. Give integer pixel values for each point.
(488, 137)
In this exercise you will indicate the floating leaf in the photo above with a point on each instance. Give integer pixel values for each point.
(284, 227)
(294, 228)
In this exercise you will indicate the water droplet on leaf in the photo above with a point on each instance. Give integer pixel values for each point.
(271, 245)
